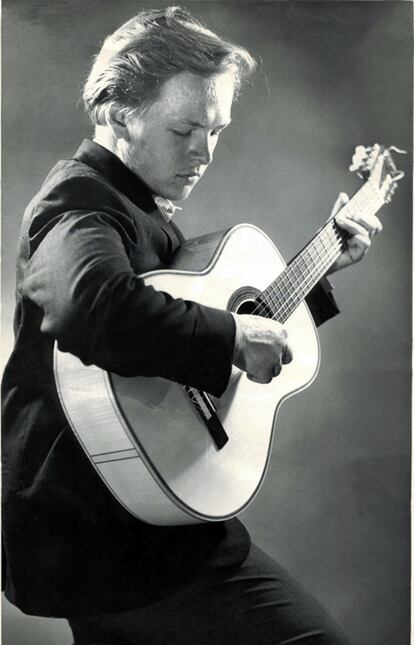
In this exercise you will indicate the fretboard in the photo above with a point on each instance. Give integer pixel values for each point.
(298, 279)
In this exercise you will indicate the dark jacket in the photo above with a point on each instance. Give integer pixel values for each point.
(71, 549)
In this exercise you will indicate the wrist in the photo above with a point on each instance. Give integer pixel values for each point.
(238, 337)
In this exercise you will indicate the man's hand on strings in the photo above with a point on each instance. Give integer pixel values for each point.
(261, 347)
(361, 228)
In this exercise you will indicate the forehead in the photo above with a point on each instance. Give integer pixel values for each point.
(197, 98)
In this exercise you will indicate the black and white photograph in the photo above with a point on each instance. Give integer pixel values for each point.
(206, 322)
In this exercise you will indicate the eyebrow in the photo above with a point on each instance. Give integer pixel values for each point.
(196, 124)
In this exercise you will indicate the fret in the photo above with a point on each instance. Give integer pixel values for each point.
(292, 286)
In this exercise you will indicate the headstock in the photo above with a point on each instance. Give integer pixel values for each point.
(375, 165)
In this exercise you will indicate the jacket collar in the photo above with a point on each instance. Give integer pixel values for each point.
(110, 166)
(106, 163)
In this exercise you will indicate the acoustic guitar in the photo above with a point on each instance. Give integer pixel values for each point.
(172, 454)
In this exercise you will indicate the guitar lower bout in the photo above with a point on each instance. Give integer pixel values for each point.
(144, 436)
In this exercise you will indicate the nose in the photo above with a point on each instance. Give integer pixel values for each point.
(201, 149)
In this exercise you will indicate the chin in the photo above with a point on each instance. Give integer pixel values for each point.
(185, 193)
(177, 194)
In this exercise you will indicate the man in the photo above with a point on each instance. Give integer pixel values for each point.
(160, 93)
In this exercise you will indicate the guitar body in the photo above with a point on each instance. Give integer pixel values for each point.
(143, 435)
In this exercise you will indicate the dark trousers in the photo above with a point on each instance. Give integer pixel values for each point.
(258, 603)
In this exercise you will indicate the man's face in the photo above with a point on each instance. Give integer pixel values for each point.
(171, 143)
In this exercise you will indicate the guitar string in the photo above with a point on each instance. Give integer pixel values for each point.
(294, 300)
(322, 240)
(312, 274)
(276, 301)
(329, 234)
(326, 241)
(284, 287)
(269, 298)
(331, 241)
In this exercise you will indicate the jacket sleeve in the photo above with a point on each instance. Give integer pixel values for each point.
(321, 302)
(80, 277)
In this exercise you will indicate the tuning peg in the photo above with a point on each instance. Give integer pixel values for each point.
(390, 188)
(397, 175)
(398, 150)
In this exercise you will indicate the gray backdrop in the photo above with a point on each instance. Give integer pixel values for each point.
(335, 505)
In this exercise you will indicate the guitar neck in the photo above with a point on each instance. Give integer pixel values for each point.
(291, 287)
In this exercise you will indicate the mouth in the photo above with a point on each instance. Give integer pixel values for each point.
(191, 176)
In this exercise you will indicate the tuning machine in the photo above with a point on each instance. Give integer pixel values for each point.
(389, 188)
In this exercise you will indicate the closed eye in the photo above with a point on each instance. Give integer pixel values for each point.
(213, 133)
(181, 133)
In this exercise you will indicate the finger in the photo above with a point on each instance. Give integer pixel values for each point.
(277, 368)
(362, 242)
(262, 378)
(351, 225)
(342, 199)
(283, 333)
(371, 223)
(287, 355)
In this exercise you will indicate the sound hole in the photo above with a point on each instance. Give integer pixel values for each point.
(246, 307)
(243, 301)
(246, 300)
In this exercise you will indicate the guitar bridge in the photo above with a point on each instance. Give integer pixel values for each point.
(206, 410)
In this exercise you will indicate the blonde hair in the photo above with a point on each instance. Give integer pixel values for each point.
(147, 50)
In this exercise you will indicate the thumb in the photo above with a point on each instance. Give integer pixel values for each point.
(340, 203)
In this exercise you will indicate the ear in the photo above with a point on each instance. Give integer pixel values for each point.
(117, 121)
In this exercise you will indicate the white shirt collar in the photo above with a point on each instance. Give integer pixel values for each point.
(166, 207)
